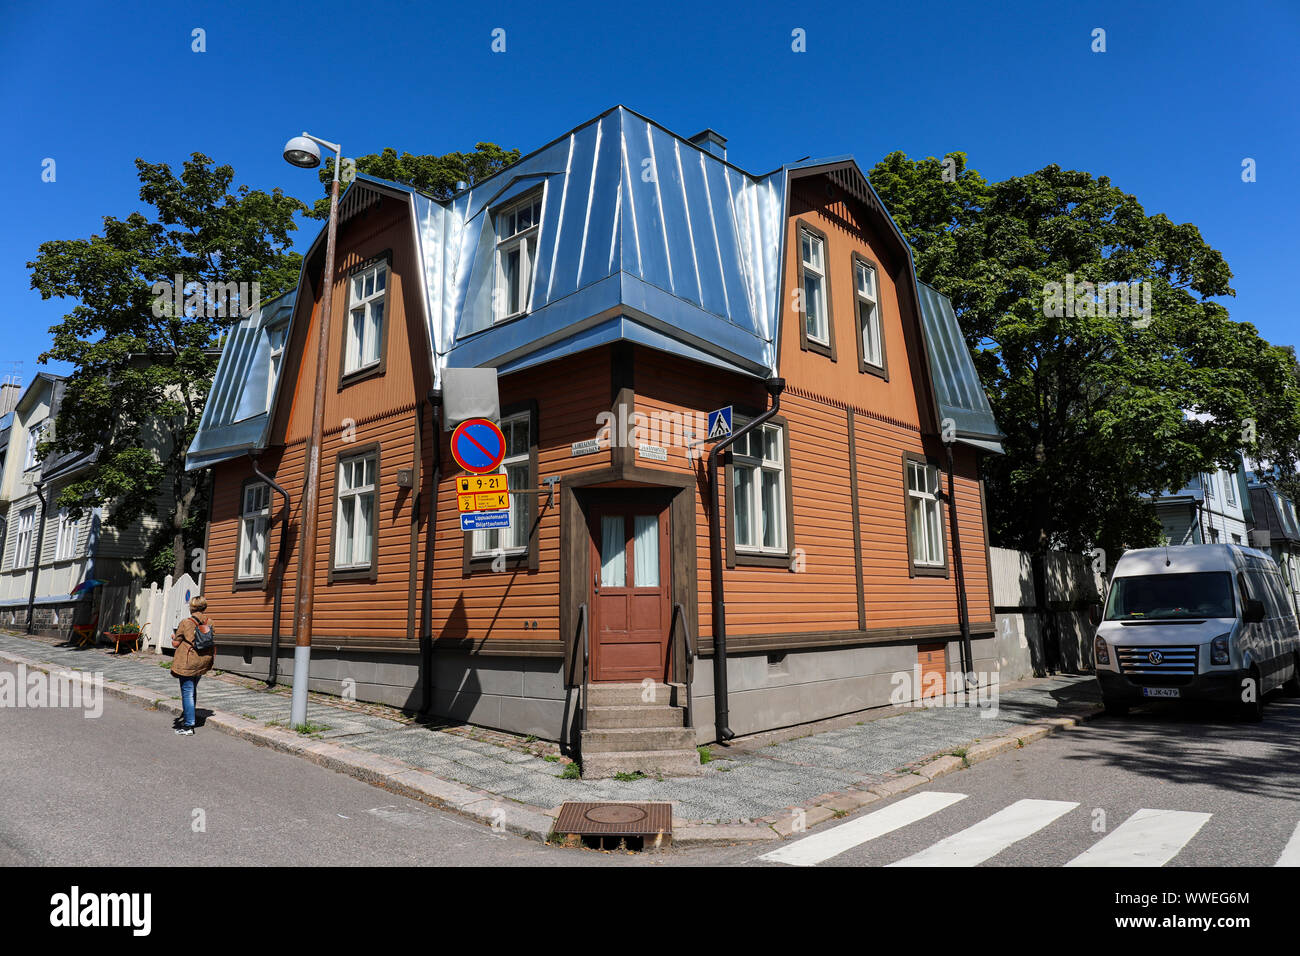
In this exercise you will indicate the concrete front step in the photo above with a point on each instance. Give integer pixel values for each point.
(611, 695)
(635, 715)
(625, 739)
(654, 763)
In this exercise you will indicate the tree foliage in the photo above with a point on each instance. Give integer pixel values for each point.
(1093, 403)
(141, 378)
(435, 175)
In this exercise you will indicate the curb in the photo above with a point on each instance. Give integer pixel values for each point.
(535, 823)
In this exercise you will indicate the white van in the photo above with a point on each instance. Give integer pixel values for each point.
(1196, 622)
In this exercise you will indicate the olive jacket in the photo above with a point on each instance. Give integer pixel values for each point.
(188, 662)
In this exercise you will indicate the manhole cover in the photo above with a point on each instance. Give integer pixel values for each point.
(616, 820)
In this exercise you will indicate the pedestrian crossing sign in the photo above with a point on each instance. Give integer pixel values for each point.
(719, 424)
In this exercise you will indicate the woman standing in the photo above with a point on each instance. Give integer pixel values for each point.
(190, 663)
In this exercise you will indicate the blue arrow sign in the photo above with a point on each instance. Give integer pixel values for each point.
(719, 424)
(483, 520)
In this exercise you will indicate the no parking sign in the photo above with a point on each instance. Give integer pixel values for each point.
(478, 446)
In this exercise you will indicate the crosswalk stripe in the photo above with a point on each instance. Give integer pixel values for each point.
(991, 835)
(822, 846)
(1291, 855)
(1148, 838)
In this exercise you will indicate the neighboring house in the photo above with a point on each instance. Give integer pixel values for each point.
(621, 274)
(1276, 530)
(45, 545)
(1214, 508)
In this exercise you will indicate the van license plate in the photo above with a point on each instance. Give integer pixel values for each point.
(1160, 692)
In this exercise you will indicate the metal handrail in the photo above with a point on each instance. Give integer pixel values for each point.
(582, 640)
(680, 613)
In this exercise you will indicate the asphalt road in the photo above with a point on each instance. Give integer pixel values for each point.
(1171, 787)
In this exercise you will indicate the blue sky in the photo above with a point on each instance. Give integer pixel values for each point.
(1169, 111)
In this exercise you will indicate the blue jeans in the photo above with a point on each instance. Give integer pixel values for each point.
(189, 689)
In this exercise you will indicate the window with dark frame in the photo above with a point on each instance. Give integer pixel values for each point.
(254, 516)
(924, 516)
(367, 292)
(871, 342)
(816, 295)
(354, 532)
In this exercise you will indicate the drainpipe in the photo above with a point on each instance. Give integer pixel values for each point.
(775, 386)
(426, 624)
(36, 561)
(273, 674)
(963, 615)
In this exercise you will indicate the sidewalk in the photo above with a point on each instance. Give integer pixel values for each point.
(749, 791)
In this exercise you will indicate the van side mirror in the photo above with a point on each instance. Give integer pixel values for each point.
(1094, 613)
(1253, 612)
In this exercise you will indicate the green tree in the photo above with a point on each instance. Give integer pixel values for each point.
(435, 175)
(1092, 402)
(143, 367)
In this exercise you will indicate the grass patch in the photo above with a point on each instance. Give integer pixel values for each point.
(625, 777)
(165, 665)
(960, 752)
(571, 771)
(838, 814)
(310, 729)
(530, 739)
(706, 755)
(552, 758)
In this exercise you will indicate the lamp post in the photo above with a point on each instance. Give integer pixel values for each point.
(303, 151)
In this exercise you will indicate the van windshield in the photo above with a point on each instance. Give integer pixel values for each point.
(1171, 596)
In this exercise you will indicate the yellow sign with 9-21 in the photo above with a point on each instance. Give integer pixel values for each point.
(482, 493)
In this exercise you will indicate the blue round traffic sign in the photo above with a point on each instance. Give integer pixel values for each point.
(478, 446)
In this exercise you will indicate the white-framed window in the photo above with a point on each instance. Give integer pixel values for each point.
(812, 251)
(1207, 480)
(355, 531)
(517, 465)
(254, 516)
(23, 542)
(365, 332)
(758, 490)
(868, 300)
(924, 515)
(34, 436)
(517, 226)
(65, 538)
(1229, 488)
(276, 337)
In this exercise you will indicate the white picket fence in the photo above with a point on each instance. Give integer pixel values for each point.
(160, 609)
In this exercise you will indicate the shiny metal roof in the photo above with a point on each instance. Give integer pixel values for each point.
(957, 386)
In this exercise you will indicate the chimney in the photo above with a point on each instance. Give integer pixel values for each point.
(10, 390)
(711, 142)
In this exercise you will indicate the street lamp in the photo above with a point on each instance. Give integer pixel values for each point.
(303, 151)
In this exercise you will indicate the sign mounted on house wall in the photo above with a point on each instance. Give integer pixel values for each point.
(478, 446)
(719, 425)
(484, 520)
(482, 493)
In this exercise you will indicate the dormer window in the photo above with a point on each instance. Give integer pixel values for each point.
(33, 439)
(365, 331)
(517, 226)
(871, 342)
(277, 338)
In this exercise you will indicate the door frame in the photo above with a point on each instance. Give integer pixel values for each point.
(578, 490)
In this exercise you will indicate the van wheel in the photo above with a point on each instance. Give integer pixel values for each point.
(1253, 711)
(1115, 708)
(1292, 686)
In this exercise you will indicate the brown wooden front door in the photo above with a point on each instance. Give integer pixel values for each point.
(629, 591)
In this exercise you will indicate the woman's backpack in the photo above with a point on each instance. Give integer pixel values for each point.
(204, 641)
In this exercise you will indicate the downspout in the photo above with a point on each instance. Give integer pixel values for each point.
(36, 560)
(775, 386)
(273, 674)
(426, 623)
(963, 615)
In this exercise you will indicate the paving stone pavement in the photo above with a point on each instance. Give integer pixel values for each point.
(736, 786)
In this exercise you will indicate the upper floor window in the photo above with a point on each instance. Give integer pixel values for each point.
(277, 338)
(870, 336)
(517, 465)
(924, 516)
(517, 226)
(65, 539)
(354, 534)
(254, 515)
(1229, 488)
(1207, 481)
(816, 298)
(34, 436)
(758, 486)
(23, 543)
(365, 331)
